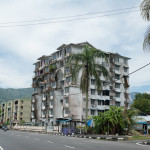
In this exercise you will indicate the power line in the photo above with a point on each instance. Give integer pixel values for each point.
(86, 14)
(77, 19)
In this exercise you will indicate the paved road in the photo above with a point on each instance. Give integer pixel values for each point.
(17, 140)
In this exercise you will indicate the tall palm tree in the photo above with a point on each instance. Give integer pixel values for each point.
(85, 62)
(145, 12)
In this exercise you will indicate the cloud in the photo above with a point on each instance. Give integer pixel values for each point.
(21, 46)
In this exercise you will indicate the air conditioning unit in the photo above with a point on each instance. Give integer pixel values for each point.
(51, 97)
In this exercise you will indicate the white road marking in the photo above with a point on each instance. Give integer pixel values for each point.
(69, 146)
(141, 144)
(36, 139)
(1, 148)
(50, 142)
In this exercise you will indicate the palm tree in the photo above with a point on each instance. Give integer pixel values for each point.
(145, 12)
(85, 62)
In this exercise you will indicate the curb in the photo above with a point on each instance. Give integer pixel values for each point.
(94, 137)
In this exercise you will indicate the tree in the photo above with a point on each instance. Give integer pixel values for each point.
(145, 12)
(114, 121)
(142, 102)
(85, 62)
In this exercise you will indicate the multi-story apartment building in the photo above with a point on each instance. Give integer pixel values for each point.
(56, 97)
(19, 110)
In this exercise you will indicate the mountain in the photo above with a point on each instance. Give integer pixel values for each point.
(11, 94)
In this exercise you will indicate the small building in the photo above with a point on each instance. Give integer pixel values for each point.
(16, 110)
(143, 123)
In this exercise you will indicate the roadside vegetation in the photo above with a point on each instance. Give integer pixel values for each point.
(114, 121)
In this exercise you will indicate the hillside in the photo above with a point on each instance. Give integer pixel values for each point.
(10, 94)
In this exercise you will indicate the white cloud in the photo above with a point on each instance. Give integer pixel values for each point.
(13, 78)
(122, 34)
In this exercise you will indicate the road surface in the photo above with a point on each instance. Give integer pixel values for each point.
(18, 140)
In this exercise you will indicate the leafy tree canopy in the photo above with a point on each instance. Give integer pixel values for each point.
(142, 102)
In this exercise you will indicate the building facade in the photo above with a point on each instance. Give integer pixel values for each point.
(56, 97)
(16, 110)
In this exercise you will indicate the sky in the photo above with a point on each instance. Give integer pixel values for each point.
(20, 46)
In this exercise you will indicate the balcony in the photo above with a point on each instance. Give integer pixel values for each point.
(93, 105)
(51, 106)
(32, 116)
(118, 99)
(66, 94)
(43, 116)
(51, 97)
(43, 107)
(44, 98)
(66, 115)
(50, 115)
(66, 105)
(102, 107)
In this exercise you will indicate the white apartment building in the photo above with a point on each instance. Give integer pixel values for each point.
(56, 98)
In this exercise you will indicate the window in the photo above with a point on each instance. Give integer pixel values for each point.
(125, 61)
(125, 69)
(107, 102)
(21, 107)
(52, 102)
(69, 50)
(67, 100)
(105, 64)
(92, 81)
(99, 111)
(21, 102)
(117, 85)
(67, 70)
(92, 101)
(117, 94)
(117, 76)
(66, 111)
(105, 93)
(118, 104)
(51, 111)
(92, 112)
(92, 91)
(117, 67)
(53, 84)
(67, 90)
(117, 59)
(99, 92)
(68, 79)
(99, 102)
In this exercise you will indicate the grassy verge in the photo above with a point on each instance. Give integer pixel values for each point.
(138, 138)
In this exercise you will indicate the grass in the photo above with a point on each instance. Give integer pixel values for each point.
(138, 137)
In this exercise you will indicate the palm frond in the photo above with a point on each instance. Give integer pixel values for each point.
(146, 43)
(145, 9)
(103, 70)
